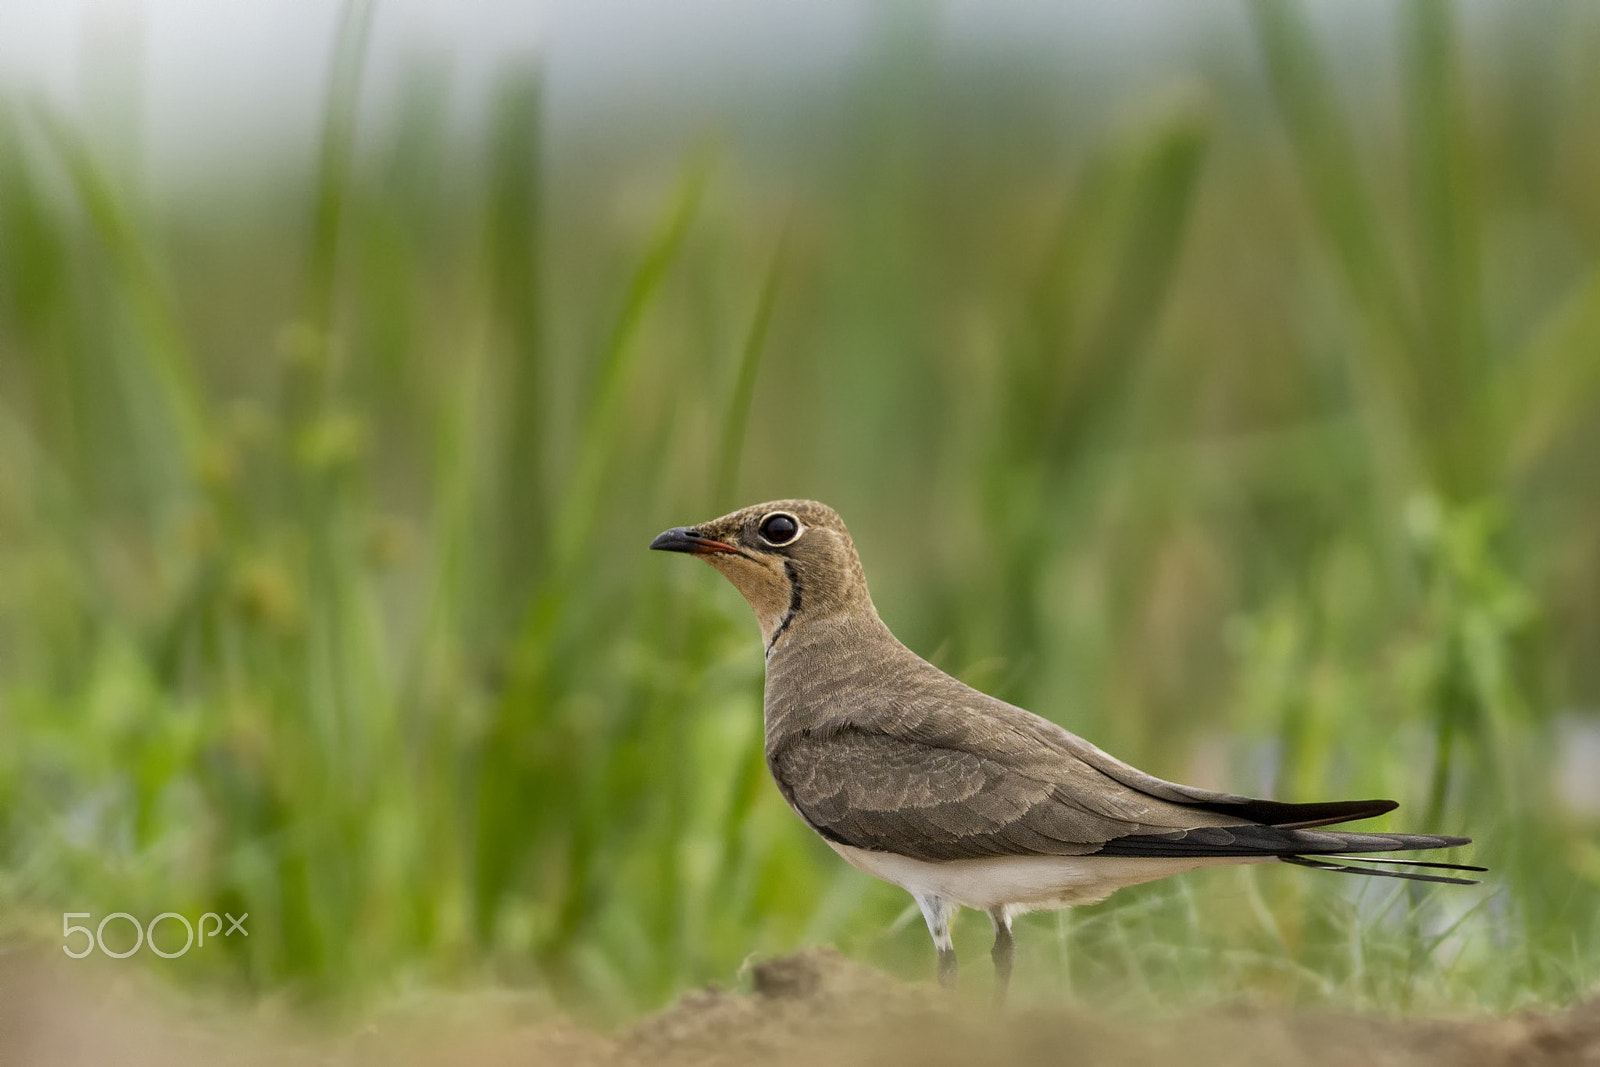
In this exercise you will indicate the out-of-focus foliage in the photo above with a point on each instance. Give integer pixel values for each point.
(1251, 430)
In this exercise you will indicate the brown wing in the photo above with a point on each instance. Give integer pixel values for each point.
(930, 802)
(887, 793)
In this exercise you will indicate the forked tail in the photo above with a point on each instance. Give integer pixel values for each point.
(1326, 850)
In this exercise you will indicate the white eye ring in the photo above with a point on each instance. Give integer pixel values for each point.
(766, 520)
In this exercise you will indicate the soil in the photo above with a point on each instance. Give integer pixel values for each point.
(809, 1009)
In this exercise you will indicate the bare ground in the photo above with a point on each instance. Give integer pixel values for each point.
(813, 1008)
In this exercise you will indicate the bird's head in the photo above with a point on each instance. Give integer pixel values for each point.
(792, 559)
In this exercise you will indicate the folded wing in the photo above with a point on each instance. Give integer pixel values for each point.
(883, 792)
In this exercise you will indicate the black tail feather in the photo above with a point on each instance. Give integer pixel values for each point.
(1378, 872)
(1257, 840)
(1406, 863)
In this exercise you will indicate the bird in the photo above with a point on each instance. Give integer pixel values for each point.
(962, 799)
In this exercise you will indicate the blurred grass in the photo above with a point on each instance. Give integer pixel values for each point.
(1250, 432)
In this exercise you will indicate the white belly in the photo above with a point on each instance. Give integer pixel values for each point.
(1025, 883)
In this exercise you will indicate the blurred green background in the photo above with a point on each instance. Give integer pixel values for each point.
(1243, 417)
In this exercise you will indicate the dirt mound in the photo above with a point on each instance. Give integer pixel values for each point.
(813, 1008)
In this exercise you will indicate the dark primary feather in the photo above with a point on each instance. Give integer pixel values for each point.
(1319, 813)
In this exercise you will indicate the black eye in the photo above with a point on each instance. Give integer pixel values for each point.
(779, 529)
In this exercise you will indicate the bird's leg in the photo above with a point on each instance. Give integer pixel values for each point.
(936, 912)
(947, 968)
(1002, 953)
